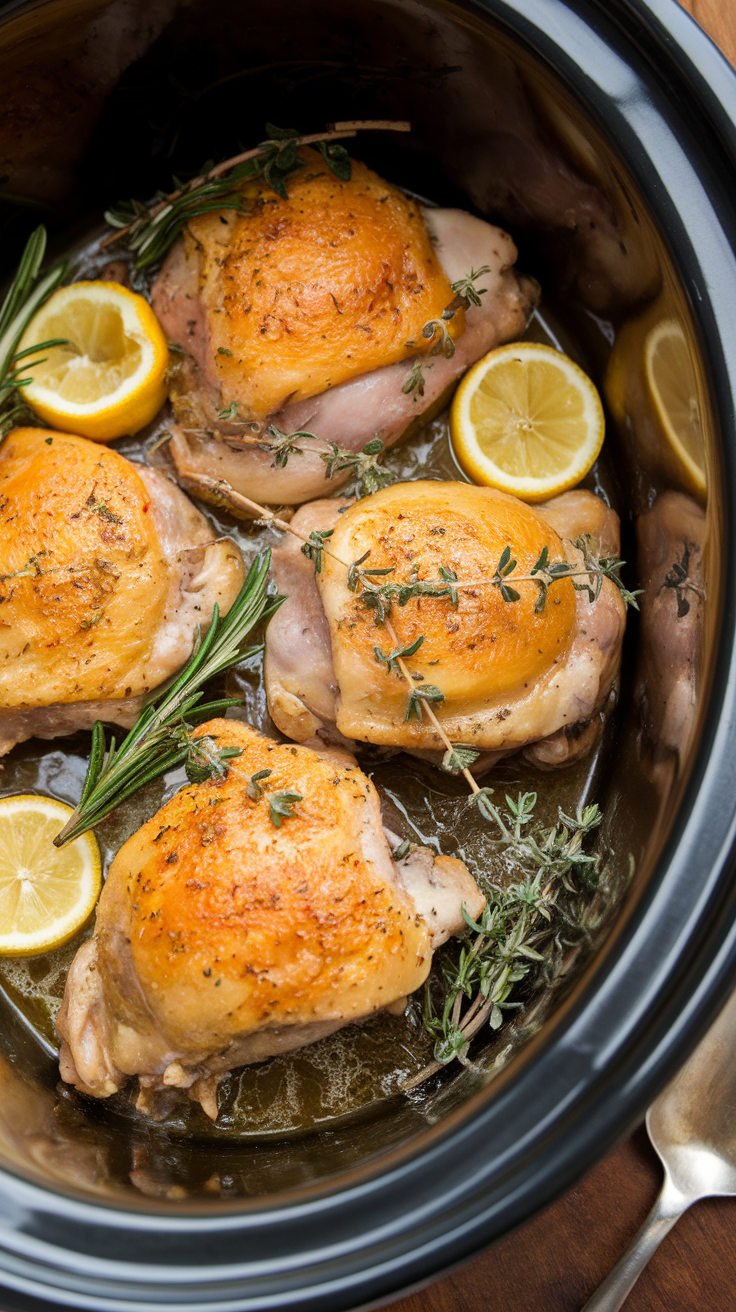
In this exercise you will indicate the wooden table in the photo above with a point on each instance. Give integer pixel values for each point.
(555, 1261)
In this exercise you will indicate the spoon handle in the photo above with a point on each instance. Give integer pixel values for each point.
(614, 1291)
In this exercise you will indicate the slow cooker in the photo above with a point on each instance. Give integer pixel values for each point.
(602, 134)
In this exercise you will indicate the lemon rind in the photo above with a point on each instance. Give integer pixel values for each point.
(141, 395)
(696, 472)
(90, 883)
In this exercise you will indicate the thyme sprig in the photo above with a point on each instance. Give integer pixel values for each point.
(517, 922)
(26, 294)
(280, 805)
(204, 759)
(380, 596)
(544, 573)
(369, 474)
(520, 920)
(160, 740)
(436, 331)
(150, 230)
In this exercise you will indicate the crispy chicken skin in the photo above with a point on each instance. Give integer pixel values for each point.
(511, 678)
(221, 939)
(295, 296)
(308, 313)
(106, 570)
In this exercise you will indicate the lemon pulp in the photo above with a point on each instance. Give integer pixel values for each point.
(528, 421)
(673, 386)
(46, 893)
(108, 378)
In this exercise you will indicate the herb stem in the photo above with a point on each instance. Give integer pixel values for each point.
(263, 513)
(338, 133)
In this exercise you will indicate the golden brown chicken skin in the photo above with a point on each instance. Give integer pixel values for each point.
(510, 676)
(222, 938)
(106, 570)
(296, 296)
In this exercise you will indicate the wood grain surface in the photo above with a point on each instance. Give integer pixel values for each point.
(554, 1262)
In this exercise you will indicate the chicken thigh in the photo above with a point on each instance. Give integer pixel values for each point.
(106, 572)
(227, 931)
(504, 674)
(307, 314)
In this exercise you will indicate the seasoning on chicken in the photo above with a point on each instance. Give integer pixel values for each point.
(106, 572)
(251, 916)
(308, 313)
(509, 676)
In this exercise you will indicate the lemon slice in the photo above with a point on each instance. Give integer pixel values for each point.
(109, 380)
(673, 387)
(46, 893)
(527, 420)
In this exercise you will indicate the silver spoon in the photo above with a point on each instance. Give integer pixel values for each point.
(692, 1126)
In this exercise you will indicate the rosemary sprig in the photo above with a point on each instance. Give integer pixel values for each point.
(25, 296)
(518, 921)
(413, 384)
(160, 739)
(150, 230)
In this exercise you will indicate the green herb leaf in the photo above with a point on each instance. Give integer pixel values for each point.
(254, 788)
(427, 693)
(459, 759)
(281, 806)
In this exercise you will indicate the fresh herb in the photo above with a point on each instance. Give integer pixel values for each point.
(283, 444)
(413, 384)
(458, 759)
(150, 230)
(255, 784)
(595, 570)
(417, 698)
(356, 577)
(381, 597)
(465, 289)
(204, 759)
(401, 851)
(517, 922)
(230, 413)
(25, 296)
(505, 567)
(444, 344)
(370, 475)
(101, 508)
(155, 744)
(391, 659)
(466, 294)
(678, 578)
(314, 548)
(281, 806)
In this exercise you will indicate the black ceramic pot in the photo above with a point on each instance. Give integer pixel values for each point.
(603, 133)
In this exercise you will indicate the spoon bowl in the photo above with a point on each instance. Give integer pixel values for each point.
(692, 1126)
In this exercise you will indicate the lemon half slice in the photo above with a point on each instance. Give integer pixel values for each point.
(673, 387)
(528, 421)
(109, 380)
(46, 893)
